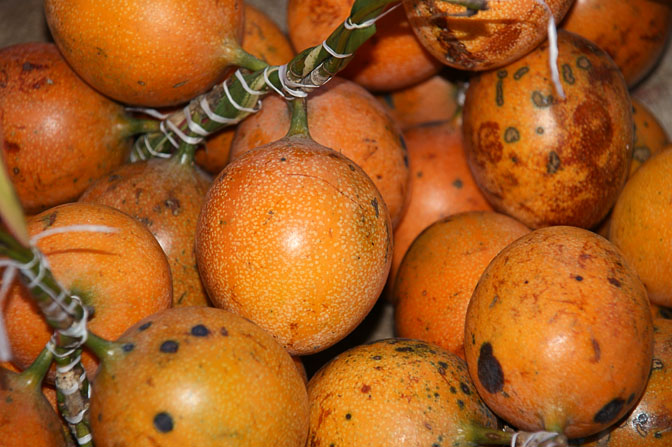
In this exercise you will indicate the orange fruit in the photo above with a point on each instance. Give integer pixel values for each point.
(546, 160)
(121, 276)
(641, 225)
(559, 334)
(440, 271)
(492, 38)
(345, 117)
(395, 392)
(295, 237)
(650, 136)
(59, 134)
(156, 54)
(633, 32)
(391, 59)
(49, 391)
(197, 376)
(440, 184)
(166, 196)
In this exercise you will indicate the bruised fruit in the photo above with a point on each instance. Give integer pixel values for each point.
(197, 376)
(543, 159)
(157, 53)
(559, 333)
(295, 237)
(396, 392)
(120, 276)
(60, 135)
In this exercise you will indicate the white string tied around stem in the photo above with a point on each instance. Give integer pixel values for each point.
(349, 25)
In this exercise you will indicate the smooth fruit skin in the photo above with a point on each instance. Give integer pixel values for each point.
(60, 135)
(495, 37)
(167, 197)
(633, 32)
(198, 376)
(156, 53)
(546, 160)
(440, 271)
(123, 276)
(641, 225)
(345, 117)
(395, 392)
(559, 333)
(295, 237)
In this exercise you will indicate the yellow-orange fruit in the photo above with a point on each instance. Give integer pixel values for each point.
(661, 312)
(433, 100)
(59, 134)
(346, 118)
(440, 184)
(546, 160)
(198, 376)
(440, 271)
(265, 40)
(295, 237)
(48, 391)
(641, 225)
(391, 59)
(166, 196)
(648, 425)
(123, 276)
(559, 334)
(395, 392)
(650, 136)
(633, 32)
(156, 53)
(492, 38)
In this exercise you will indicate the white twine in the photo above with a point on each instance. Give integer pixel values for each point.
(181, 135)
(162, 128)
(84, 439)
(350, 26)
(7, 279)
(534, 439)
(287, 84)
(267, 72)
(333, 52)
(247, 88)
(236, 105)
(192, 125)
(212, 116)
(74, 420)
(151, 112)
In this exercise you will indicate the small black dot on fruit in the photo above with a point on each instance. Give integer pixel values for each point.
(127, 347)
(465, 389)
(145, 326)
(169, 347)
(200, 331)
(163, 422)
(348, 416)
(224, 332)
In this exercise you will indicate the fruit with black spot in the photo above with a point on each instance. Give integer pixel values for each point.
(559, 333)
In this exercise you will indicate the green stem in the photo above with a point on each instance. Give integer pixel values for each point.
(299, 123)
(101, 348)
(248, 61)
(489, 436)
(35, 373)
(137, 126)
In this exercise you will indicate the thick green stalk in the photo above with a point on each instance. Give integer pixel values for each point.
(299, 123)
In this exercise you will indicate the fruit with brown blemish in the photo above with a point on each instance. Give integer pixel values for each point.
(346, 118)
(26, 416)
(196, 376)
(641, 225)
(396, 392)
(440, 271)
(121, 276)
(166, 195)
(391, 59)
(494, 37)
(650, 423)
(546, 160)
(296, 237)
(559, 333)
(440, 184)
(60, 135)
(632, 32)
(189, 46)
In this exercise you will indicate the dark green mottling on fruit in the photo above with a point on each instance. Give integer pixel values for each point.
(584, 63)
(511, 135)
(541, 101)
(567, 74)
(553, 164)
(458, 183)
(521, 72)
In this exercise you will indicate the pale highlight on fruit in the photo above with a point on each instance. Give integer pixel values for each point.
(559, 334)
(295, 237)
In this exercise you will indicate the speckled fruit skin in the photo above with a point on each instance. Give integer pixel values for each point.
(546, 160)
(390, 60)
(395, 392)
(295, 237)
(26, 417)
(198, 376)
(648, 425)
(559, 334)
(59, 134)
(506, 31)
(440, 271)
(440, 185)
(124, 276)
(167, 197)
(650, 136)
(633, 32)
(641, 225)
(156, 53)
(345, 117)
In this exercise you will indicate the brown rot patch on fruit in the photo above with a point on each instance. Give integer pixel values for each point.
(553, 164)
(594, 125)
(610, 411)
(614, 282)
(200, 331)
(596, 350)
(365, 388)
(10, 147)
(490, 371)
(163, 422)
(489, 144)
(224, 332)
(641, 153)
(169, 347)
(173, 205)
